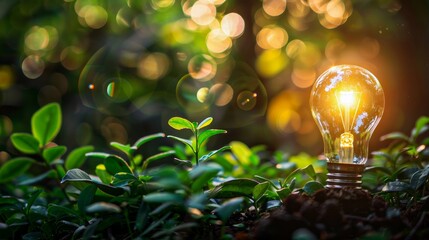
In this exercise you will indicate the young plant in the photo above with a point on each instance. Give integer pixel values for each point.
(198, 139)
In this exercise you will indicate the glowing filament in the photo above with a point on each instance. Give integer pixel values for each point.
(348, 104)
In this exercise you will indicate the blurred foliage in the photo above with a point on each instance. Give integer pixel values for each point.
(117, 67)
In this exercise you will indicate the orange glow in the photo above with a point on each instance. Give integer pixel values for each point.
(274, 7)
(217, 41)
(272, 37)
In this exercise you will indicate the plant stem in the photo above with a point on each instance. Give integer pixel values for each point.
(196, 147)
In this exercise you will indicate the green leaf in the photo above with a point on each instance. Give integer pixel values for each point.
(49, 174)
(123, 148)
(103, 207)
(46, 123)
(115, 164)
(101, 172)
(58, 211)
(163, 197)
(148, 138)
(260, 190)
(14, 168)
(205, 123)
(157, 157)
(302, 160)
(211, 153)
(53, 153)
(25, 143)
(419, 178)
(420, 126)
(395, 136)
(97, 155)
(179, 123)
(207, 134)
(81, 179)
(309, 170)
(184, 141)
(86, 196)
(234, 188)
(396, 186)
(202, 174)
(312, 187)
(283, 192)
(123, 178)
(225, 211)
(242, 152)
(77, 157)
(142, 216)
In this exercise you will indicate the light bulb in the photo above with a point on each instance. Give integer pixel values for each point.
(347, 103)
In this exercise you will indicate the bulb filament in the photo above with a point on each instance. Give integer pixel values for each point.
(348, 103)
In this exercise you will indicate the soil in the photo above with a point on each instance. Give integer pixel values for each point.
(338, 214)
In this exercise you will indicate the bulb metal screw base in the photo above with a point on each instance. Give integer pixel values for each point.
(342, 175)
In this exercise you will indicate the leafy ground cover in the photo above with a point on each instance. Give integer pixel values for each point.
(187, 191)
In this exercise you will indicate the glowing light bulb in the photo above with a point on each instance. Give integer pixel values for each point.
(347, 103)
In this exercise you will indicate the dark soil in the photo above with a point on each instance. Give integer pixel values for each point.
(340, 214)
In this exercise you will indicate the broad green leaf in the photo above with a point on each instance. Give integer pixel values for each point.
(283, 193)
(86, 196)
(179, 123)
(312, 187)
(101, 207)
(81, 179)
(228, 208)
(148, 138)
(46, 123)
(77, 157)
(202, 174)
(260, 190)
(14, 168)
(157, 157)
(420, 126)
(76, 175)
(122, 178)
(184, 141)
(205, 123)
(395, 136)
(207, 134)
(163, 197)
(419, 178)
(58, 211)
(25, 143)
(30, 181)
(115, 164)
(101, 172)
(396, 186)
(211, 153)
(53, 153)
(123, 148)
(234, 188)
(309, 170)
(242, 152)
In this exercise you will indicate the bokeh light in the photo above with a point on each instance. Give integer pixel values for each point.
(274, 7)
(217, 41)
(7, 77)
(153, 66)
(232, 25)
(33, 66)
(202, 67)
(203, 13)
(114, 89)
(272, 37)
